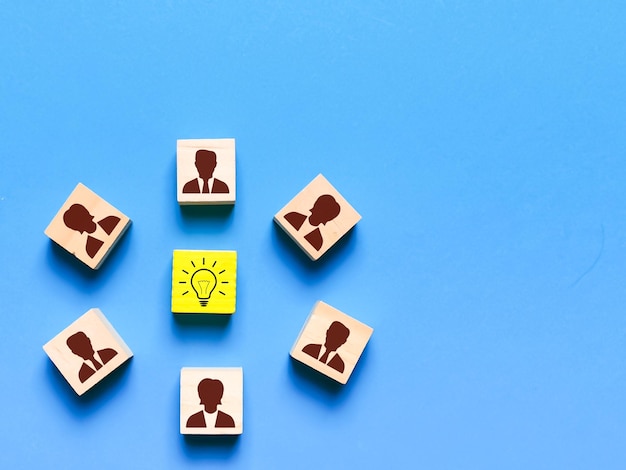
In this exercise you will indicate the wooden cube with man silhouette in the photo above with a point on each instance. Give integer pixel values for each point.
(211, 400)
(331, 342)
(87, 351)
(205, 171)
(317, 217)
(87, 226)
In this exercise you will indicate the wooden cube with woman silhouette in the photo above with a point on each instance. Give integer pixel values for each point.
(211, 400)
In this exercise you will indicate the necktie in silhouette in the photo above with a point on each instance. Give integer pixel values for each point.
(205, 188)
(96, 364)
(324, 357)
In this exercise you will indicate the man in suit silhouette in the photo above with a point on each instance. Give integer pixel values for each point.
(336, 336)
(206, 161)
(210, 392)
(323, 211)
(80, 344)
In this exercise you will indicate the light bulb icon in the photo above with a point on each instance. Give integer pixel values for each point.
(203, 282)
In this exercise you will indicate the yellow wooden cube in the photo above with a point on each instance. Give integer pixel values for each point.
(204, 281)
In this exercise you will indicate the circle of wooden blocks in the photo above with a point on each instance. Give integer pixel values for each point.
(331, 342)
(205, 171)
(317, 217)
(87, 226)
(211, 400)
(87, 351)
(204, 281)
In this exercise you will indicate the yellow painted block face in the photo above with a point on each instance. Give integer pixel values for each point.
(204, 281)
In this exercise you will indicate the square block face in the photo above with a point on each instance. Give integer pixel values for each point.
(205, 170)
(331, 342)
(87, 351)
(87, 226)
(317, 217)
(204, 281)
(211, 400)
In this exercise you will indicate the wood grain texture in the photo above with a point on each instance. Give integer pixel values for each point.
(81, 236)
(91, 334)
(187, 171)
(317, 217)
(200, 389)
(319, 332)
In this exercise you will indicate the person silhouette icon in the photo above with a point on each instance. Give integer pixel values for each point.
(206, 161)
(323, 211)
(210, 392)
(78, 218)
(80, 344)
(336, 335)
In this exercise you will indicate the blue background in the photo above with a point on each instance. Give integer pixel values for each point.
(482, 141)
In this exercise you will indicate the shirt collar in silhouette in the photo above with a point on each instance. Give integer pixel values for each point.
(78, 218)
(323, 211)
(80, 344)
(336, 336)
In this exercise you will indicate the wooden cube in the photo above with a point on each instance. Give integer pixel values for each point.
(204, 281)
(317, 217)
(331, 342)
(87, 226)
(205, 171)
(87, 351)
(211, 400)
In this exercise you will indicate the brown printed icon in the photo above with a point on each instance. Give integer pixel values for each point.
(78, 218)
(323, 211)
(210, 392)
(87, 226)
(80, 344)
(336, 335)
(87, 351)
(205, 171)
(205, 183)
(331, 342)
(211, 400)
(317, 217)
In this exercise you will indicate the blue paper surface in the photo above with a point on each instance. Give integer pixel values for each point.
(482, 142)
